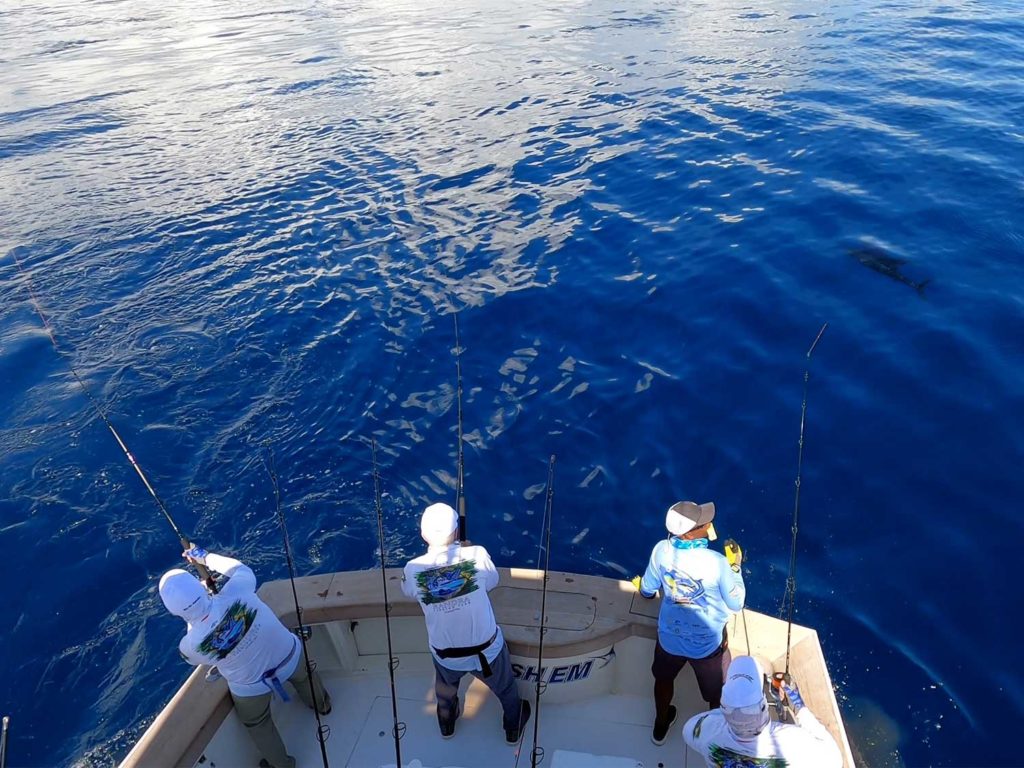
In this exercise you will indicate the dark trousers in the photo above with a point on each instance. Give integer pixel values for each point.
(500, 681)
(710, 672)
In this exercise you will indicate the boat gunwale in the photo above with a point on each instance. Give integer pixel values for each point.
(187, 724)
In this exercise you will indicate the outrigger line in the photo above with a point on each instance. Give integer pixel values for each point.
(398, 729)
(323, 732)
(790, 593)
(537, 753)
(3, 742)
(186, 543)
(460, 498)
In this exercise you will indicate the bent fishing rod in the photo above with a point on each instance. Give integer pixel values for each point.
(460, 498)
(398, 728)
(323, 732)
(537, 753)
(790, 593)
(186, 543)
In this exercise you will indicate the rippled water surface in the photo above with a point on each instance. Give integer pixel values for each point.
(252, 222)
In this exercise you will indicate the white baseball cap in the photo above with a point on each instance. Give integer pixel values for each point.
(743, 702)
(438, 523)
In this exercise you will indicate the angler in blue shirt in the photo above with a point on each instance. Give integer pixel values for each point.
(700, 589)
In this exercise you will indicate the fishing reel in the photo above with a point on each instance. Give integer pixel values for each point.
(780, 708)
(734, 555)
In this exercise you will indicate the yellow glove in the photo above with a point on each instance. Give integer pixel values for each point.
(733, 554)
(635, 581)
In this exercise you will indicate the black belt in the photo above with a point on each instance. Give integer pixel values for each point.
(470, 650)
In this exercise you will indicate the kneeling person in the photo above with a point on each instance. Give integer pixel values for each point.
(451, 583)
(239, 634)
(741, 733)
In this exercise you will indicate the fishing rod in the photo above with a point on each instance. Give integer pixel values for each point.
(398, 729)
(322, 731)
(790, 592)
(3, 742)
(537, 753)
(460, 498)
(186, 543)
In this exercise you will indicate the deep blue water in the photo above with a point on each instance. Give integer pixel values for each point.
(252, 222)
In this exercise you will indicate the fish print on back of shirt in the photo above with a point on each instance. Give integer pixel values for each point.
(683, 590)
(230, 630)
(727, 758)
(445, 582)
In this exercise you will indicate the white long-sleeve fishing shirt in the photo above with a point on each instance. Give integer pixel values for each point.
(240, 634)
(806, 744)
(451, 584)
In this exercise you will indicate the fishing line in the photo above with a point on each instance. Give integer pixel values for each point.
(746, 633)
(323, 732)
(185, 541)
(460, 498)
(790, 592)
(398, 728)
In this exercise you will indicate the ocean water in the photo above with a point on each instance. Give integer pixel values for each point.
(250, 224)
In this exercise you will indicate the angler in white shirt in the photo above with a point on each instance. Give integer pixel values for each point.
(242, 637)
(741, 734)
(451, 583)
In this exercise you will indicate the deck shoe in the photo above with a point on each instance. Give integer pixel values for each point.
(660, 732)
(512, 734)
(448, 726)
(328, 705)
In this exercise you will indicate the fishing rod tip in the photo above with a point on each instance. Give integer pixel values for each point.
(816, 340)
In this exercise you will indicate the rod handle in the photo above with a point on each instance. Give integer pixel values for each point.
(462, 519)
(204, 573)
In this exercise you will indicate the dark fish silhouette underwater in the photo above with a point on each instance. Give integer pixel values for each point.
(885, 264)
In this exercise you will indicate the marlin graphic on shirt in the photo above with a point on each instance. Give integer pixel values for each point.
(230, 630)
(683, 590)
(722, 757)
(445, 582)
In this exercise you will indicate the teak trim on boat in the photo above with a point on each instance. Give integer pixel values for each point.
(585, 614)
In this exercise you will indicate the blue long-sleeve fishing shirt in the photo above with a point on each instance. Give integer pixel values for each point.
(699, 592)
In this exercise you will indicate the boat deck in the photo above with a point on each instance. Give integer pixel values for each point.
(609, 731)
(597, 707)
